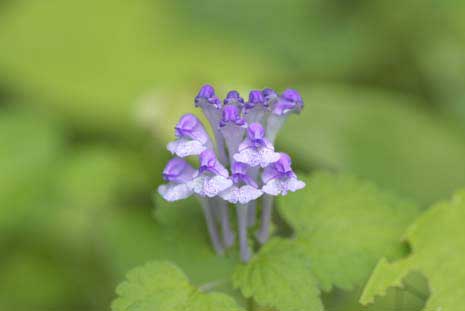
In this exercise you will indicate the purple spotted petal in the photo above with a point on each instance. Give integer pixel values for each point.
(282, 186)
(241, 195)
(209, 186)
(173, 192)
(209, 163)
(257, 156)
(184, 147)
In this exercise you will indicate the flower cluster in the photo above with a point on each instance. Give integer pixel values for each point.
(239, 166)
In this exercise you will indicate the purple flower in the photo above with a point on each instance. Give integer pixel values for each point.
(279, 178)
(192, 138)
(234, 98)
(256, 149)
(256, 107)
(232, 126)
(231, 115)
(212, 178)
(244, 188)
(289, 101)
(211, 108)
(207, 96)
(270, 96)
(178, 173)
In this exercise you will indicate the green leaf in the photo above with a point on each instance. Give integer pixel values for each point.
(438, 251)
(279, 276)
(177, 233)
(383, 136)
(163, 286)
(345, 225)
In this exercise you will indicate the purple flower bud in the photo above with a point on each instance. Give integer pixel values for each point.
(207, 95)
(178, 173)
(255, 98)
(279, 178)
(178, 170)
(256, 134)
(209, 163)
(192, 138)
(269, 96)
(290, 101)
(234, 98)
(232, 115)
(212, 178)
(189, 126)
(239, 174)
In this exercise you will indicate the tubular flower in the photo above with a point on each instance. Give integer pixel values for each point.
(239, 166)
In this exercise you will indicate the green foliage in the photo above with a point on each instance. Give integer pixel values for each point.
(438, 248)
(279, 276)
(176, 233)
(345, 225)
(378, 135)
(163, 286)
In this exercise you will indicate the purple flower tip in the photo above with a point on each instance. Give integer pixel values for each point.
(256, 132)
(255, 98)
(178, 170)
(186, 125)
(231, 114)
(239, 174)
(207, 160)
(290, 100)
(233, 97)
(283, 166)
(269, 93)
(207, 93)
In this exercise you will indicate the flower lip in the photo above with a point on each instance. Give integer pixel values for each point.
(239, 174)
(231, 114)
(178, 170)
(186, 125)
(209, 163)
(290, 100)
(255, 98)
(207, 95)
(280, 169)
(269, 94)
(233, 97)
(256, 134)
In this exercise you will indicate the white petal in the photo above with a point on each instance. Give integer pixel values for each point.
(294, 184)
(268, 156)
(248, 193)
(277, 186)
(215, 185)
(248, 156)
(273, 187)
(209, 186)
(184, 147)
(231, 194)
(173, 192)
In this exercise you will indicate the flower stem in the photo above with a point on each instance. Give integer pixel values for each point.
(242, 223)
(264, 233)
(228, 235)
(211, 225)
(251, 213)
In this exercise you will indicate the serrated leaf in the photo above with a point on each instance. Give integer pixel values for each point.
(438, 252)
(163, 286)
(345, 225)
(279, 276)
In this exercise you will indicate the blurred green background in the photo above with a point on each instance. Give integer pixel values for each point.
(90, 92)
